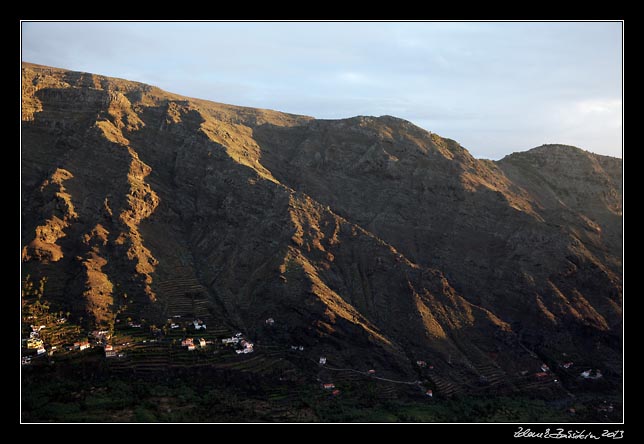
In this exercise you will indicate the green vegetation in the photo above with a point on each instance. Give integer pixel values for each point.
(83, 395)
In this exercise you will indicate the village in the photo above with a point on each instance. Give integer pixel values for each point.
(131, 339)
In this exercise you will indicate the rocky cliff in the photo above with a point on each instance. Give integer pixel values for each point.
(367, 237)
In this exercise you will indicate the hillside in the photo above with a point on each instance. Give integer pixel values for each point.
(368, 239)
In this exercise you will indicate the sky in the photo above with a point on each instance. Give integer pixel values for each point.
(495, 87)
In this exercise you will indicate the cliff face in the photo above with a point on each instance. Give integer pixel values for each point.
(367, 236)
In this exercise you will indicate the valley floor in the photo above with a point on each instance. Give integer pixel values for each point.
(54, 394)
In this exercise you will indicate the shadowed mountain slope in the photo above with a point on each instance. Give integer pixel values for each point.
(366, 238)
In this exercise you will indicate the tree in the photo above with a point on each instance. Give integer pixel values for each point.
(41, 287)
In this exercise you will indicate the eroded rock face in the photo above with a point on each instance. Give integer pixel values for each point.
(58, 212)
(368, 237)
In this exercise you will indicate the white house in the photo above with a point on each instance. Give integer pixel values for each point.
(109, 351)
(322, 360)
(248, 347)
(98, 334)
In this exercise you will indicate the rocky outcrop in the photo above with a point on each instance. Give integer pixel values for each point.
(57, 209)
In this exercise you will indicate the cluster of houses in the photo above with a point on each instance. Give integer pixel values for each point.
(545, 370)
(423, 364)
(198, 324)
(270, 321)
(34, 342)
(101, 335)
(189, 343)
(232, 340)
(81, 345)
(242, 346)
(587, 374)
(247, 347)
(297, 348)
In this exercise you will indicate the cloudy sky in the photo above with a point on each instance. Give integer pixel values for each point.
(494, 87)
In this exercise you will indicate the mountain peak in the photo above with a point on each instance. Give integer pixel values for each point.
(555, 151)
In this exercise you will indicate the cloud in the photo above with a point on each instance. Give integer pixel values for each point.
(605, 107)
(495, 87)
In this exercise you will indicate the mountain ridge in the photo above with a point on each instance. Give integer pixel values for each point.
(368, 237)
